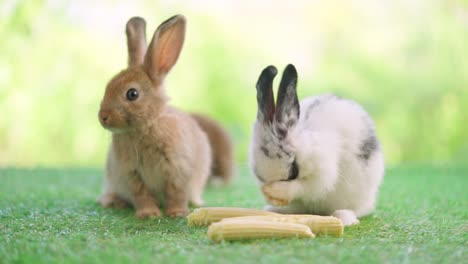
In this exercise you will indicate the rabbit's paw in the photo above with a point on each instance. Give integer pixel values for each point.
(177, 212)
(277, 193)
(148, 212)
(347, 217)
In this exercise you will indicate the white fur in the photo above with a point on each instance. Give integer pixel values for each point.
(326, 142)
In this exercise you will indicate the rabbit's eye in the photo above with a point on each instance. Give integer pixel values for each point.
(293, 171)
(132, 94)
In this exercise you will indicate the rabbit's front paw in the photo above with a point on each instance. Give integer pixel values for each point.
(277, 193)
(177, 212)
(348, 217)
(148, 212)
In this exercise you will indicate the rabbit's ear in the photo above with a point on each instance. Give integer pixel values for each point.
(136, 41)
(165, 47)
(265, 98)
(287, 104)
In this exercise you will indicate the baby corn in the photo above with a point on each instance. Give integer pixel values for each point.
(253, 229)
(320, 225)
(207, 215)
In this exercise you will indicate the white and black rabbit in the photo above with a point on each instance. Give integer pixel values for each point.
(319, 156)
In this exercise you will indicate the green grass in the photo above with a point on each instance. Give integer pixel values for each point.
(50, 215)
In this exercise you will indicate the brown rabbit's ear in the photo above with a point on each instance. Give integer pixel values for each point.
(265, 98)
(165, 47)
(136, 41)
(287, 104)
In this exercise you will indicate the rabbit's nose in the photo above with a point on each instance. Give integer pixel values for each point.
(104, 116)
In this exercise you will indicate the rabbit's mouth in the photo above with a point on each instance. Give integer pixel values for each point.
(116, 130)
(112, 121)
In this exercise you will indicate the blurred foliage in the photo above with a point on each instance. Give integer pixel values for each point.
(405, 61)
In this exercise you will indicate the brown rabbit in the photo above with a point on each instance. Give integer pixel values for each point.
(158, 153)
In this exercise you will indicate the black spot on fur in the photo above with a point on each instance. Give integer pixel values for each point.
(319, 101)
(281, 132)
(291, 122)
(266, 152)
(271, 155)
(312, 107)
(283, 151)
(368, 146)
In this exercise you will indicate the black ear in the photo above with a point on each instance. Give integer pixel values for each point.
(265, 98)
(287, 104)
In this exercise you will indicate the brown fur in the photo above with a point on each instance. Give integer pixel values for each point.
(158, 153)
(136, 41)
(221, 148)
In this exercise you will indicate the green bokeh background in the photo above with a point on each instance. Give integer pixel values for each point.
(405, 61)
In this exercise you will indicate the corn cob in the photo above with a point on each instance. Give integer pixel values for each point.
(320, 225)
(253, 229)
(207, 215)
